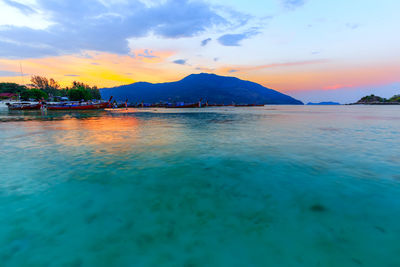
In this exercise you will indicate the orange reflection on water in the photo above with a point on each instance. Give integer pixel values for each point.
(107, 134)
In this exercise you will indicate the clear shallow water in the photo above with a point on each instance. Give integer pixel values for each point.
(271, 186)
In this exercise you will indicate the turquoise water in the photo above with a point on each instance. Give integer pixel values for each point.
(265, 186)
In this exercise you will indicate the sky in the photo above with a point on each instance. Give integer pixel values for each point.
(313, 50)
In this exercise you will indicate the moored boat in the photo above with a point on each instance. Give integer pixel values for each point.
(24, 106)
(78, 105)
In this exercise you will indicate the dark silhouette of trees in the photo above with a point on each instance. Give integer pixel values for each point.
(82, 91)
(44, 88)
(50, 86)
(12, 88)
(36, 94)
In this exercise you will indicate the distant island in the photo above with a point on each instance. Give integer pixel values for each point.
(208, 87)
(323, 103)
(377, 100)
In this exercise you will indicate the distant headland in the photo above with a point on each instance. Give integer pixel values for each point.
(323, 103)
(209, 87)
(377, 100)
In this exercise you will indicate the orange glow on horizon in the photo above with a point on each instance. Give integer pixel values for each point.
(101, 69)
(313, 78)
(109, 70)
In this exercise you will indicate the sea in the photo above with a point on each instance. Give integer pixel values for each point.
(251, 186)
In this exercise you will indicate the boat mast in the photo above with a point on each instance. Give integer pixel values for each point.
(22, 74)
(22, 79)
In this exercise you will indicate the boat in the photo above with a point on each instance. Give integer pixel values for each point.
(6, 103)
(78, 105)
(24, 106)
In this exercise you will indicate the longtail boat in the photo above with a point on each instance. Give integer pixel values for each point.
(24, 106)
(79, 106)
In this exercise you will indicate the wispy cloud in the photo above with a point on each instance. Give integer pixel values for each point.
(235, 39)
(180, 61)
(235, 19)
(204, 69)
(72, 75)
(147, 54)
(292, 4)
(337, 86)
(233, 69)
(21, 7)
(352, 26)
(205, 42)
(6, 73)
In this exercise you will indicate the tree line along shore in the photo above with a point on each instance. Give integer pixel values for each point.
(42, 88)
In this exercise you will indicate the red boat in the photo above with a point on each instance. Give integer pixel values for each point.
(79, 106)
(24, 106)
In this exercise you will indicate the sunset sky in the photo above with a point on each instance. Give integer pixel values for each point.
(310, 49)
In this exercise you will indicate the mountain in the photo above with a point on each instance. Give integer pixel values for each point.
(210, 87)
(323, 103)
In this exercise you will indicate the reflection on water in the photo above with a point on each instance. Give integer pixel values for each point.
(264, 186)
(104, 133)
